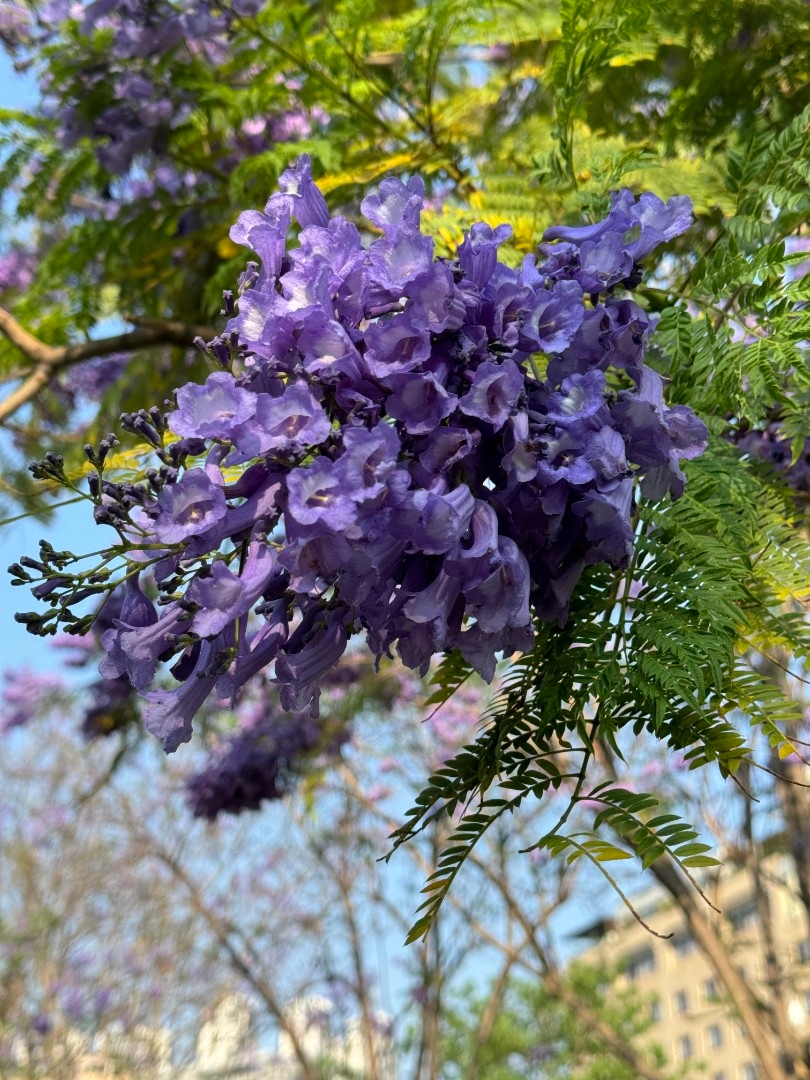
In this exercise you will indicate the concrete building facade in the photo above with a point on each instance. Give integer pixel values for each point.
(691, 1021)
(227, 1049)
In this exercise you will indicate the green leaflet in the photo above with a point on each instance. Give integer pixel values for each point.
(661, 658)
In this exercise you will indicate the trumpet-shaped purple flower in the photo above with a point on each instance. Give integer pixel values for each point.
(478, 254)
(136, 608)
(502, 599)
(224, 596)
(308, 204)
(136, 650)
(315, 562)
(579, 398)
(396, 345)
(317, 496)
(658, 222)
(567, 458)
(494, 393)
(630, 232)
(369, 459)
(604, 263)
(656, 435)
(437, 303)
(395, 205)
(266, 234)
(214, 410)
(408, 473)
(299, 670)
(552, 318)
(398, 261)
(290, 421)
(419, 402)
(432, 521)
(169, 713)
(191, 506)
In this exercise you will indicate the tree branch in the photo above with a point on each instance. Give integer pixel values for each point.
(760, 1031)
(241, 955)
(556, 985)
(46, 360)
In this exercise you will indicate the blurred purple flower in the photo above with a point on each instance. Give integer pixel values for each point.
(26, 693)
(16, 267)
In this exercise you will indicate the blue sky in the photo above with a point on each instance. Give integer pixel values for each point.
(16, 91)
(73, 528)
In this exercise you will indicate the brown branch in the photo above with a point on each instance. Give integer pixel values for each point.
(757, 1029)
(752, 1012)
(344, 880)
(240, 952)
(45, 360)
(774, 974)
(493, 1008)
(556, 985)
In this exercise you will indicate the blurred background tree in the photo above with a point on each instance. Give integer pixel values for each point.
(159, 122)
(123, 917)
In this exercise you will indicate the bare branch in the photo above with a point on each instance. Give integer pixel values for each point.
(45, 360)
(238, 948)
(755, 1016)
(556, 985)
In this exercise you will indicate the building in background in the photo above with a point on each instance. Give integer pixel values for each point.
(227, 1047)
(691, 1021)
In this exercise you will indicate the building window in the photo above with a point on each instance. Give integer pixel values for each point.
(682, 1001)
(719, 1076)
(655, 1011)
(710, 990)
(640, 963)
(715, 1036)
(743, 916)
(685, 1046)
(683, 944)
(804, 951)
(750, 1072)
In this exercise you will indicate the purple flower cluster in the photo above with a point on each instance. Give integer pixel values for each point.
(420, 450)
(108, 706)
(770, 445)
(27, 694)
(16, 270)
(128, 100)
(144, 101)
(260, 762)
(92, 379)
(15, 23)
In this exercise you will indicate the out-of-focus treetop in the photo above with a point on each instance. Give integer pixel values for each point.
(483, 388)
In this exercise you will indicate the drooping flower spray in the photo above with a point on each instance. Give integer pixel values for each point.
(423, 451)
